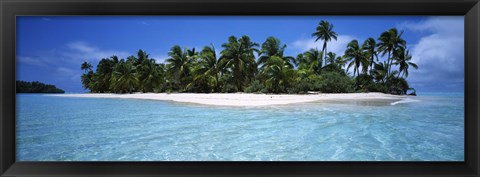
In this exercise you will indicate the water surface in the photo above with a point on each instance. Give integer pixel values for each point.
(429, 127)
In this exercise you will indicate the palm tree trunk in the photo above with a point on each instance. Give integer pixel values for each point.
(216, 82)
(358, 72)
(324, 53)
(388, 64)
(237, 75)
(376, 56)
(371, 63)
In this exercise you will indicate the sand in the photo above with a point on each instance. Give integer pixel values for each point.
(243, 99)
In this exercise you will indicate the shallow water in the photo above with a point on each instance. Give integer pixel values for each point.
(430, 128)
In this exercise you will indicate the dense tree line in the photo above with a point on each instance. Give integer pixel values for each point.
(237, 69)
(36, 87)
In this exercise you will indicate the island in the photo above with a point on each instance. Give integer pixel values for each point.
(36, 87)
(244, 66)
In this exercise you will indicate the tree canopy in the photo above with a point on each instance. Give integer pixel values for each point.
(36, 87)
(242, 65)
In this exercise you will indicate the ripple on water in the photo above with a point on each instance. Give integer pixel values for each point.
(87, 129)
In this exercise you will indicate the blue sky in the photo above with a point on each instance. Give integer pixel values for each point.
(50, 49)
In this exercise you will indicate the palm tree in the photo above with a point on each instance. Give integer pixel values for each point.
(104, 73)
(279, 74)
(330, 63)
(355, 55)
(311, 60)
(86, 67)
(397, 85)
(369, 48)
(147, 72)
(150, 75)
(249, 48)
(330, 58)
(87, 76)
(379, 71)
(142, 56)
(178, 65)
(341, 61)
(86, 79)
(208, 67)
(114, 59)
(124, 77)
(94, 84)
(389, 42)
(324, 32)
(132, 59)
(238, 56)
(403, 59)
(272, 47)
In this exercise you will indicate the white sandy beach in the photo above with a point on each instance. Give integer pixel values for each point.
(243, 99)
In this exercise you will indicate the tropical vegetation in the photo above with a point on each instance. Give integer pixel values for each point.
(36, 87)
(246, 66)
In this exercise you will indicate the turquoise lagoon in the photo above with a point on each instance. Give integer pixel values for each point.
(429, 127)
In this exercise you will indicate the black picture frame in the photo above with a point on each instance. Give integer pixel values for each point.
(470, 9)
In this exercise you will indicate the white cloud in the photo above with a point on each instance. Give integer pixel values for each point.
(80, 51)
(160, 58)
(76, 77)
(65, 62)
(30, 61)
(65, 71)
(145, 23)
(445, 24)
(337, 46)
(81, 46)
(439, 55)
(73, 53)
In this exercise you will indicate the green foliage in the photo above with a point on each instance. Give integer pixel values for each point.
(237, 69)
(363, 82)
(357, 57)
(87, 79)
(397, 86)
(125, 78)
(255, 87)
(86, 67)
(238, 57)
(279, 75)
(325, 33)
(378, 87)
(301, 86)
(369, 48)
(334, 82)
(273, 47)
(229, 88)
(403, 58)
(104, 73)
(179, 66)
(36, 87)
(310, 60)
(205, 72)
(148, 72)
(389, 43)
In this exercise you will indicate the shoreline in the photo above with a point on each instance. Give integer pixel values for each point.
(243, 99)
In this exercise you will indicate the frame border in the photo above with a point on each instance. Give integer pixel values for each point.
(470, 9)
